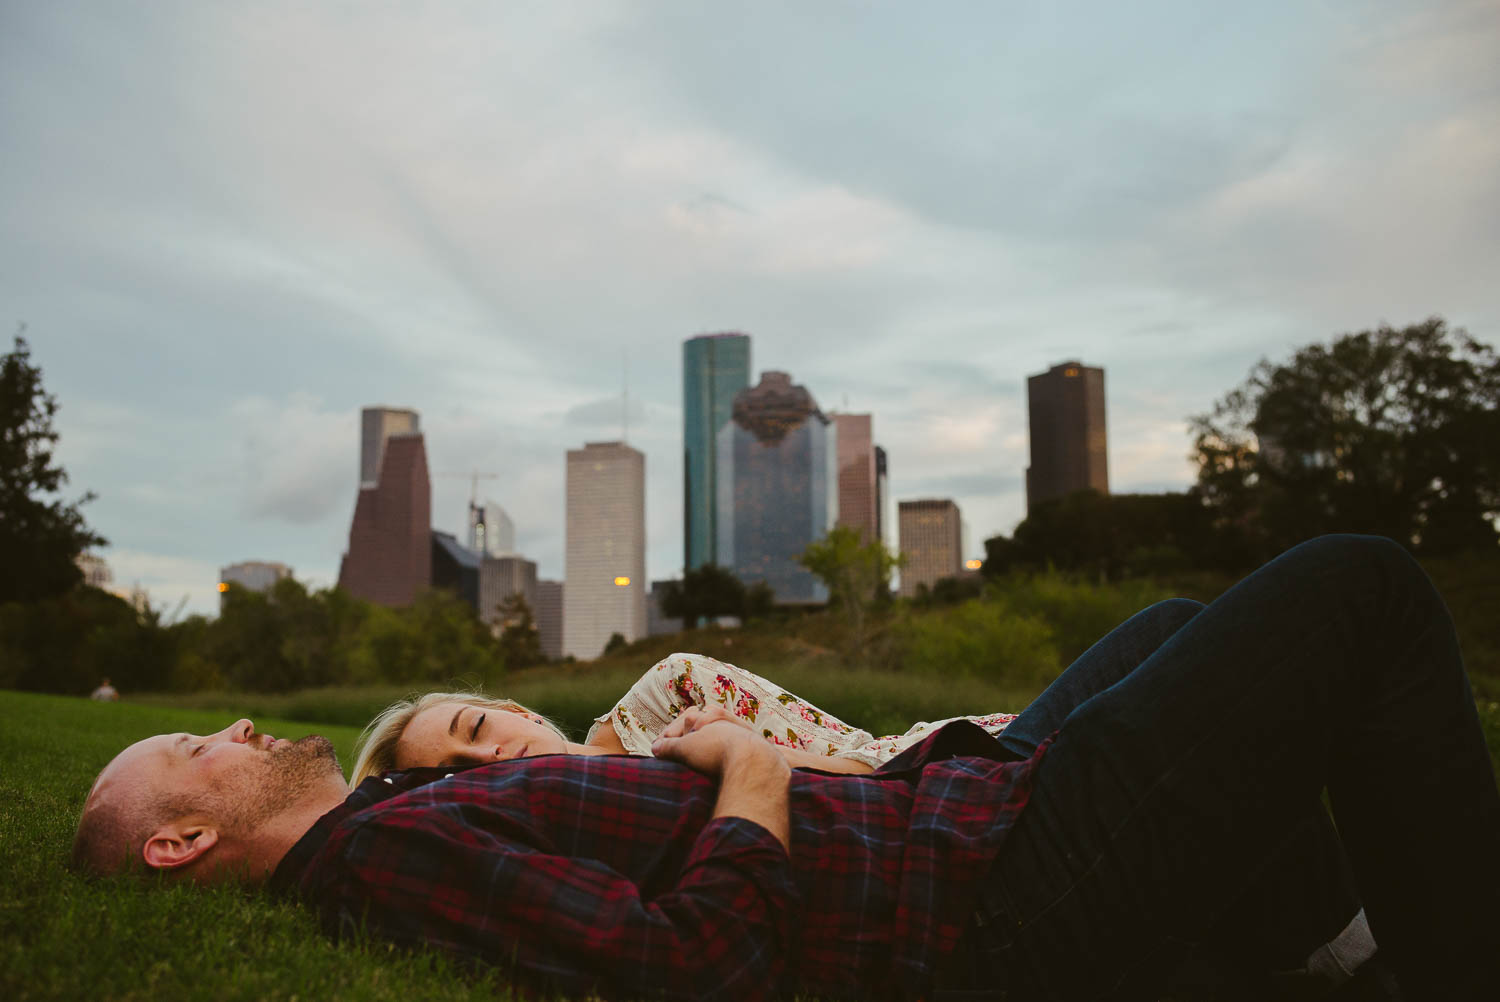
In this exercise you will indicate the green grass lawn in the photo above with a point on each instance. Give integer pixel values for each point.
(62, 937)
(65, 938)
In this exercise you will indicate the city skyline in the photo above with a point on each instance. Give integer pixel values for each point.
(220, 259)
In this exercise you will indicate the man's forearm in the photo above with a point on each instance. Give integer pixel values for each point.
(754, 787)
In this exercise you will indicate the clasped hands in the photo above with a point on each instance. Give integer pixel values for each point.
(753, 777)
(710, 739)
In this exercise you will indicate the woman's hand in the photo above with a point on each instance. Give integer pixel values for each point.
(753, 779)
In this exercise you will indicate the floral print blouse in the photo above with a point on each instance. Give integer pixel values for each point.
(682, 680)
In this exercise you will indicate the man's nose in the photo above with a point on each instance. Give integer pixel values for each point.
(240, 732)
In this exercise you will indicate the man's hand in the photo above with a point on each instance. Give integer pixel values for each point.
(694, 739)
(752, 776)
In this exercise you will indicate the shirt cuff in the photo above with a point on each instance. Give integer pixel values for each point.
(747, 846)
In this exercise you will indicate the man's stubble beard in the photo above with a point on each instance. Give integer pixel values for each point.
(287, 776)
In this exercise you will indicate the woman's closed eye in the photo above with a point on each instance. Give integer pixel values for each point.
(474, 734)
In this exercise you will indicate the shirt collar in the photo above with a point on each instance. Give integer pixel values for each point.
(372, 791)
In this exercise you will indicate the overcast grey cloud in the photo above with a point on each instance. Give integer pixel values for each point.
(229, 225)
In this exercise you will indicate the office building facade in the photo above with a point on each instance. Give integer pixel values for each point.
(777, 487)
(549, 618)
(715, 367)
(377, 424)
(858, 488)
(389, 559)
(605, 565)
(499, 579)
(932, 542)
(657, 622)
(455, 568)
(1069, 446)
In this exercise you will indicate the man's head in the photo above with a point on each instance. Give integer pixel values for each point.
(206, 806)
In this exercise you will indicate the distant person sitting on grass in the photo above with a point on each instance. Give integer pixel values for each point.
(1176, 810)
(106, 693)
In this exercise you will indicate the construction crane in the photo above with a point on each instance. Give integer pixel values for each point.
(474, 478)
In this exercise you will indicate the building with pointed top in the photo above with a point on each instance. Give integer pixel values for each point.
(778, 487)
(389, 559)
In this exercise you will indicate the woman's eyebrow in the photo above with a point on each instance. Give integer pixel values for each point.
(453, 726)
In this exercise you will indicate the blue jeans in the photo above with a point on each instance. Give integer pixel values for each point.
(1176, 794)
(1307, 896)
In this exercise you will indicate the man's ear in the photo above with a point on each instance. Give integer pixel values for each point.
(175, 845)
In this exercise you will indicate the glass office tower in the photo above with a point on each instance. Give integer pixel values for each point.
(778, 487)
(714, 368)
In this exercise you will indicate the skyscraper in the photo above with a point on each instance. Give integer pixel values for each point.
(490, 530)
(389, 558)
(1068, 442)
(376, 425)
(605, 570)
(714, 368)
(932, 542)
(858, 494)
(882, 494)
(777, 487)
(549, 617)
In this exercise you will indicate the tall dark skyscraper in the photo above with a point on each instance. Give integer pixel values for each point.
(859, 493)
(1068, 442)
(778, 487)
(714, 368)
(389, 560)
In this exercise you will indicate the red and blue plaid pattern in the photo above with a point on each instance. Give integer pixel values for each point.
(608, 873)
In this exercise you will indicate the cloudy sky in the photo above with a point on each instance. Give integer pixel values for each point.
(228, 226)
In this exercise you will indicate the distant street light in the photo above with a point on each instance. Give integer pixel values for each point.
(622, 581)
(973, 564)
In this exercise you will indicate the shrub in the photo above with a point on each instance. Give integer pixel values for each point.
(984, 639)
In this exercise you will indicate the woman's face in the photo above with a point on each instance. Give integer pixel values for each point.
(459, 734)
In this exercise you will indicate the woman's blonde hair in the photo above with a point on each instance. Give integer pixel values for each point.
(376, 749)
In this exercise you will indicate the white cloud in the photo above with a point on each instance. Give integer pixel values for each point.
(298, 457)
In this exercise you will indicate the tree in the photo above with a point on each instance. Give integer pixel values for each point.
(520, 642)
(1386, 431)
(1109, 535)
(705, 592)
(40, 538)
(857, 574)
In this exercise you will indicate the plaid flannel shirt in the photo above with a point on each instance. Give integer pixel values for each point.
(608, 873)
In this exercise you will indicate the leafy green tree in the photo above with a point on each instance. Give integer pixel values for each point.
(67, 643)
(40, 537)
(520, 641)
(857, 574)
(704, 593)
(616, 642)
(1383, 431)
(1109, 536)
